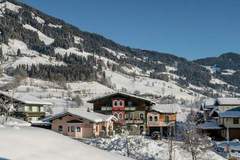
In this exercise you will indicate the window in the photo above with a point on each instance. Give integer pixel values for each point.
(120, 116)
(150, 118)
(126, 116)
(235, 121)
(78, 129)
(72, 128)
(166, 118)
(96, 128)
(41, 109)
(103, 128)
(120, 103)
(35, 118)
(68, 129)
(141, 116)
(131, 116)
(26, 108)
(129, 104)
(141, 129)
(156, 118)
(115, 115)
(60, 128)
(115, 103)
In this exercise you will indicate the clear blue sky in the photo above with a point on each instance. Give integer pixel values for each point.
(186, 28)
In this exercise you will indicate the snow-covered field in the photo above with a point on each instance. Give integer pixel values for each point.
(36, 144)
(142, 148)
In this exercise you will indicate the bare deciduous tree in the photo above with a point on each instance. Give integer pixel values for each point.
(6, 105)
(78, 101)
(194, 142)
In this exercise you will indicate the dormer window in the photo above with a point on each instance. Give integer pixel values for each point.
(120, 103)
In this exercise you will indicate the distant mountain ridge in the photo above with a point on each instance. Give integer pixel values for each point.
(60, 51)
(225, 61)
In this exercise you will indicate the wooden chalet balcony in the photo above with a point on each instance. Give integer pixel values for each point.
(160, 124)
(136, 121)
(110, 108)
(35, 114)
(130, 108)
(106, 108)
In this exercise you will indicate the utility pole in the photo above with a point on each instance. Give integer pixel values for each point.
(170, 144)
(228, 145)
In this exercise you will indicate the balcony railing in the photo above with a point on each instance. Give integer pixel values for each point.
(106, 108)
(126, 108)
(130, 108)
(164, 123)
(136, 121)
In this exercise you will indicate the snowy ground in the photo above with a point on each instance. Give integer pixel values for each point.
(34, 144)
(146, 149)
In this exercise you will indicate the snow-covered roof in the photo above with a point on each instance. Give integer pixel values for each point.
(91, 116)
(231, 114)
(121, 93)
(166, 108)
(209, 125)
(228, 101)
(234, 145)
(210, 102)
(26, 99)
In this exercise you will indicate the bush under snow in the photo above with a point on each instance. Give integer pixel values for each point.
(142, 148)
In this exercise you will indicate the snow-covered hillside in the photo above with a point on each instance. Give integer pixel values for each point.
(47, 40)
(147, 85)
(39, 90)
(27, 57)
(141, 83)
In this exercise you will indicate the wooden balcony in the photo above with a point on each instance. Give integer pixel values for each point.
(136, 121)
(35, 114)
(125, 108)
(106, 108)
(160, 124)
(130, 108)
